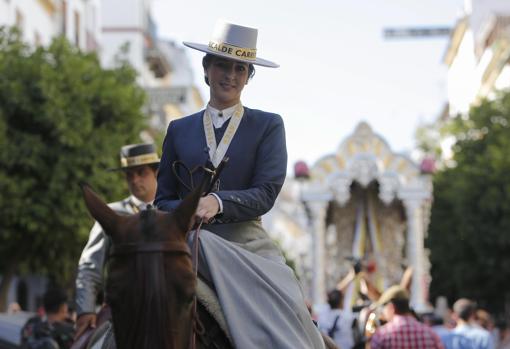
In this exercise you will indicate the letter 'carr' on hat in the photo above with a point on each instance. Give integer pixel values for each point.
(134, 155)
(235, 42)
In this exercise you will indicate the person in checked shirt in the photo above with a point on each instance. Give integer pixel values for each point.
(402, 331)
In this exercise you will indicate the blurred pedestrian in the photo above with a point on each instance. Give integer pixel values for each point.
(468, 334)
(503, 334)
(54, 330)
(484, 319)
(402, 330)
(337, 323)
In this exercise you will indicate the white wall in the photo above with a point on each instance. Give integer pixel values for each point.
(122, 13)
(462, 82)
(36, 21)
(122, 23)
(76, 9)
(4, 9)
(111, 44)
(466, 71)
(40, 26)
(503, 81)
(481, 10)
(92, 24)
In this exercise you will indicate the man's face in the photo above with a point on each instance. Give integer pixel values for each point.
(142, 181)
(61, 314)
(388, 311)
(226, 81)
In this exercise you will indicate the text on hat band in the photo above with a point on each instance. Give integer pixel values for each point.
(234, 51)
(139, 160)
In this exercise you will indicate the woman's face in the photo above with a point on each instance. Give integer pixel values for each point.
(226, 81)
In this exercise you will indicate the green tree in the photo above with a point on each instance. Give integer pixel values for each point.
(469, 235)
(63, 119)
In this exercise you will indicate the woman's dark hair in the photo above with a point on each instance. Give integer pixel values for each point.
(208, 59)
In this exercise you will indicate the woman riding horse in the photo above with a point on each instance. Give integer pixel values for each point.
(259, 295)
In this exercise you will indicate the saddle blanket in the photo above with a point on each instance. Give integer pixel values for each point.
(259, 295)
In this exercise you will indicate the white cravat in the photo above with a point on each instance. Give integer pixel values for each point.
(218, 120)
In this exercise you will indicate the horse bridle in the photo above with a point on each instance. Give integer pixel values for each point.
(171, 247)
(175, 247)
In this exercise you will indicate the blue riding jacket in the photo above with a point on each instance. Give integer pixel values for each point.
(253, 176)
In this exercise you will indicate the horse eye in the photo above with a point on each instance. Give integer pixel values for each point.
(186, 296)
(191, 297)
(186, 288)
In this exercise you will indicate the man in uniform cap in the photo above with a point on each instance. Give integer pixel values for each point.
(140, 163)
(402, 331)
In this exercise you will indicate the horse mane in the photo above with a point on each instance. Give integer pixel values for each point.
(138, 292)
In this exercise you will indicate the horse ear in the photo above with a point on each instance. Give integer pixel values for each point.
(108, 219)
(184, 213)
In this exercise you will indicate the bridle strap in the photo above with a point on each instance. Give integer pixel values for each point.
(150, 247)
(194, 258)
(214, 173)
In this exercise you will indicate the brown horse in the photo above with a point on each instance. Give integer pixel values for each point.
(150, 282)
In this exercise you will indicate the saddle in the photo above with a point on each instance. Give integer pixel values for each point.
(215, 334)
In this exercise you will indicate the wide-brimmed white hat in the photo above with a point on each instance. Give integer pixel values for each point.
(234, 42)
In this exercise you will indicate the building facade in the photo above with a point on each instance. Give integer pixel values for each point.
(363, 203)
(42, 20)
(478, 54)
(129, 32)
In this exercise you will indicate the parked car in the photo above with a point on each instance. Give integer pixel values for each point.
(10, 328)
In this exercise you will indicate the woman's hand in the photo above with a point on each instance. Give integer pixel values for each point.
(208, 207)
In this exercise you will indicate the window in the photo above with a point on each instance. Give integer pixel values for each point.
(19, 19)
(77, 28)
(37, 38)
(64, 18)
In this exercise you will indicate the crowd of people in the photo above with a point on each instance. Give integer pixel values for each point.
(393, 324)
(389, 322)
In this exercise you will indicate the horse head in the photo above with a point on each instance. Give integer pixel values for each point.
(150, 283)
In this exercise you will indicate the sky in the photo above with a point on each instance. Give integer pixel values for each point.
(336, 68)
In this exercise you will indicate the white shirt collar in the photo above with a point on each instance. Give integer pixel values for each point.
(217, 120)
(139, 203)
